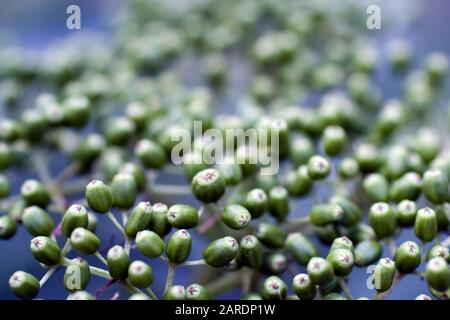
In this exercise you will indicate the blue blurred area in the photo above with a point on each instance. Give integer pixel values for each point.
(36, 24)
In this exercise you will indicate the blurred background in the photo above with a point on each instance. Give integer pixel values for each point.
(39, 24)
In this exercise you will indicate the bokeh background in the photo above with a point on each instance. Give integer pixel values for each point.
(37, 24)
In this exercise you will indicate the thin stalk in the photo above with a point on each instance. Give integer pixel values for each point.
(47, 275)
(199, 262)
(115, 222)
(209, 223)
(100, 257)
(151, 293)
(345, 289)
(170, 276)
(100, 272)
(67, 173)
(124, 215)
(66, 248)
(44, 176)
(392, 246)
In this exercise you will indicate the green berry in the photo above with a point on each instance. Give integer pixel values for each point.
(74, 217)
(17, 209)
(6, 156)
(326, 213)
(342, 243)
(279, 202)
(119, 131)
(118, 262)
(301, 149)
(81, 295)
(140, 274)
(160, 224)
(367, 252)
(34, 193)
(406, 213)
(300, 248)
(138, 297)
(37, 221)
(274, 263)
(208, 185)
(111, 161)
(298, 182)
(342, 261)
(197, 292)
(423, 297)
(435, 186)
(193, 163)
(407, 257)
(150, 153)
(123, 190)
(137, 172)
(4, 186)
(84, 241)
(376, 187)
(179, 246)
(437, 274)
(352, 213)
(221, 251)
(303, 287)
(45, 250)
(139, 113)
(270, 235)
(318, 167)
(333, 296)
(231, 172)
(92, 222)
(8, 227)
(438, 250)
(382, 219)
(250, 252)
(407, 186)
(139, 219)
(149, 244)
(383, 275)
(368, 157)
(10, 130)
(443, 216)
(89, 150)
(256, 202)
(235, 216)
(427, 144)
(333, 140)
(400, 54)
(395, 162)
(77, 275)
(320, 271)
(182, 216)
(426, 227)
(76, 111)
(348, 168)
(274, 289)
(24, 285)
(175, 293)
(98, 196)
